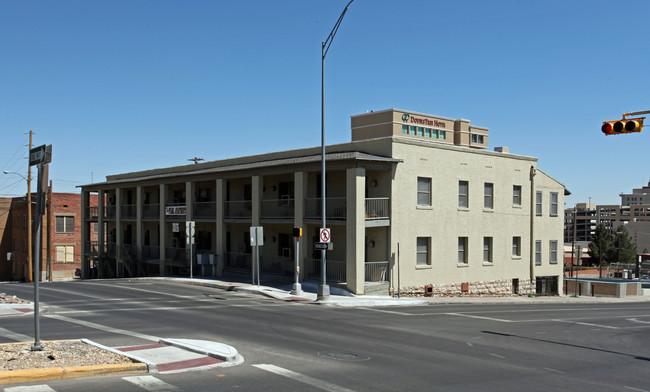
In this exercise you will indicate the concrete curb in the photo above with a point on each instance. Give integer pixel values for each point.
(31, 375)
(217, 350)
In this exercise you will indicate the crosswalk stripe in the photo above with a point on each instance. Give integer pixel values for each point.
(31, 388)
(314, 382)
(150, 383)
(19, 337)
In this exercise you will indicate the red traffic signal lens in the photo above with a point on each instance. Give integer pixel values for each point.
(607, 128)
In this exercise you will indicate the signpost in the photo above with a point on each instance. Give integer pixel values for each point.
(39, 156)
(257, 240)
(189, 238)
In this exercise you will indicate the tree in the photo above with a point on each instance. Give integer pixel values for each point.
(601, 245)
(623, 249)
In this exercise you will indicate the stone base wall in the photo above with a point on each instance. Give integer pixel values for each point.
(492, 288)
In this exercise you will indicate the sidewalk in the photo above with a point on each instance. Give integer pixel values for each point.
(343, 298)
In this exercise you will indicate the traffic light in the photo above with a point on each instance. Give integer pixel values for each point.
(622, 126)
(297, 232)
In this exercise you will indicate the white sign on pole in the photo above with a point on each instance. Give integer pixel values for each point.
(190, 231)
(257, 236)
(325, 235)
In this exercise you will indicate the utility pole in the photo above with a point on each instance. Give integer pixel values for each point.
(29, 213)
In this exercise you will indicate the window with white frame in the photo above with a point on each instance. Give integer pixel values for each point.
(424, 191)
(552, 252)
(423, 251)
(516, 246)
(64, 224)
(554, 203)
(516, 195)
(463, 194)
(487, 250)
(462, 250)
(538, 203)
(488, 195)
(538, 252)
(65, 253)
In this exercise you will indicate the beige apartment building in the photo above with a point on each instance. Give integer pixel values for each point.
(414, 202)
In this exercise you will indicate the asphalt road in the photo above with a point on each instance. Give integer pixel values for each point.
(291, 346)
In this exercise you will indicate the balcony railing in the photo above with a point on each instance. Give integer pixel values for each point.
(236, 260)
(241, 209)
(335, 270)
(335, 208)
(150, 252)
(151, 211)
(278, 208)
(129, 211)
(109, 211)
(377, 208)
(376, 271)
(92, 213)
(205, 209)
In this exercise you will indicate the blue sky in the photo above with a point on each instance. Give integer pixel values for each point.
(120, 86)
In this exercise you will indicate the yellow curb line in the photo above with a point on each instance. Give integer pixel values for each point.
(18, 376)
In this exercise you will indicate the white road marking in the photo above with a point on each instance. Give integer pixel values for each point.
(586, 324)
(103, 327)
(150, 383)
(635, 389)
(555, 371)
(638, 321)
(498, 356)
(479, 317)
(314, 382)
(19, 337)
(32, 388)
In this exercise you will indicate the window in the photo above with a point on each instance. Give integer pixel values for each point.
(462, 250)
(24, 221)
(488, 195)
(24, 245)
(516, 246)
(487, 249)
(434, 133)
(420, 131)
(65, 253)
(516, 195)
(553, 252)
(474, 138)
(423, 251)
(412, 130)
(538, 252)
(463, 194)
(424, 191)
(554, 201)
(443, 134)
(405, 129)
(427, 132)
(480, 139)
(538, 203)
(64, 224)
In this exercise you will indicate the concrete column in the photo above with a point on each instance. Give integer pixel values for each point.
(220, 232)
(101, 243)
(300, 187)
(118, 234)
(162, 225)
(139, 225)
(86, 232)
(257, 185)
(355, 229)
(189, 200)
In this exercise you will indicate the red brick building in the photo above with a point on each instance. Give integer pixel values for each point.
(61, 237)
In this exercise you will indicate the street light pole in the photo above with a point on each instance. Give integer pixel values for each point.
(323, 289)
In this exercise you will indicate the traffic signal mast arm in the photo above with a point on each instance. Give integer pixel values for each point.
(635, 113)
(625, 125)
